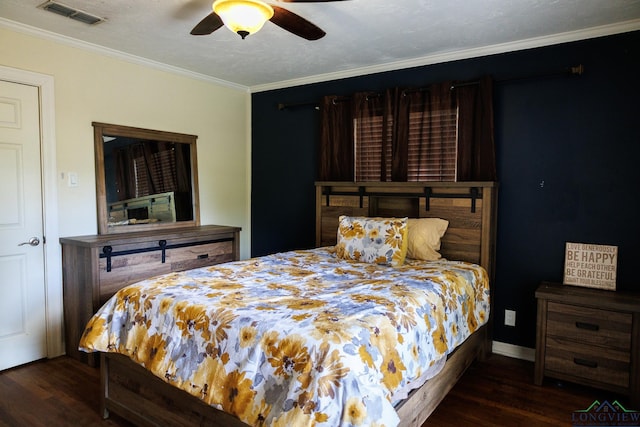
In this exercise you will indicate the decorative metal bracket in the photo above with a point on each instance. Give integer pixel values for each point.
(108, 253)
(474, 194)
(428, 194)
(163, 248)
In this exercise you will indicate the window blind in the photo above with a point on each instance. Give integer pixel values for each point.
(157, 176)
(432, 147)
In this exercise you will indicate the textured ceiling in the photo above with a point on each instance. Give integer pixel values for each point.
(363, 36)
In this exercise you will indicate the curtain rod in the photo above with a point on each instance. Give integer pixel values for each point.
(571, 71)
(282, 106)
(576, 70)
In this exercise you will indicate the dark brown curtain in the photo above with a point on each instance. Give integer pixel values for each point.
(394, 137)
(125, 180)
(336, 140)
(419, 117)
(146, 151)
(183, 168)
(408, 115)
(476, 146)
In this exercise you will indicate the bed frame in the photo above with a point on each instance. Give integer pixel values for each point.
(470, 207)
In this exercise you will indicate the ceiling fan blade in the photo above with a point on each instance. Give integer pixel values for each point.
(295, 24)
(208, 25)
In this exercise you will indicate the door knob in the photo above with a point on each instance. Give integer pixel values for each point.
(34, 241)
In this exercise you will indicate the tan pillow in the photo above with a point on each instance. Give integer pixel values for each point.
(424, 237)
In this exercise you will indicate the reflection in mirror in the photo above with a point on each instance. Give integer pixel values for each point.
(144, 179)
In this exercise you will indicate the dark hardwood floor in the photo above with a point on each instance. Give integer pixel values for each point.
(497, 392)
(500, 392)
(55, 392)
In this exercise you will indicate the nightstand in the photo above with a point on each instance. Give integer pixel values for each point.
(590, 337)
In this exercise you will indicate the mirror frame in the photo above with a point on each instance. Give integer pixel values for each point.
(105, 129)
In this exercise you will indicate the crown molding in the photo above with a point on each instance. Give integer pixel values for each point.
(116, 54)
(438, 58)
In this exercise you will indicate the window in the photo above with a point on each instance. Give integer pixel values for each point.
(431, 151)
(440, 132)
(433, 148)
(369, 147)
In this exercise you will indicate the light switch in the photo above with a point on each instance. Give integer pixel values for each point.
(73, 179)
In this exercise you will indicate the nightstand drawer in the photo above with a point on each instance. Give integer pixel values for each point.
(587, 325)
(602, 365)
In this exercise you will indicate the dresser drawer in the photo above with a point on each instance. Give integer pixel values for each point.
(602, 365)
(588, 325)
(195, 256)
(126, 268)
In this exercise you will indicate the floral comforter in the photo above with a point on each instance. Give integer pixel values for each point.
(298, 338)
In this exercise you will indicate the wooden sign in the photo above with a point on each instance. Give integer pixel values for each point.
(591, 266)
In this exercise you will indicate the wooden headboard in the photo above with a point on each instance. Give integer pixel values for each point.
(470, 208)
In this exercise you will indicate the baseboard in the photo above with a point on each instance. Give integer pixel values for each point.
(515, 351)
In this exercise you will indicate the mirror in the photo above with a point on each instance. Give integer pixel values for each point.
(145, 179)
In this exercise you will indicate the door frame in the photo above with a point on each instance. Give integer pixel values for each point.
(52, 252)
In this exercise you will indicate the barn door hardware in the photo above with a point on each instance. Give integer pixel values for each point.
(109, 253)
(163, 248)
(106, 253)
(474, 194)
(428, 193)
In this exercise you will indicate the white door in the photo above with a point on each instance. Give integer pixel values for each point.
(22, 286)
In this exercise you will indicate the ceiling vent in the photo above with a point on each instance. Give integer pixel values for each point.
(70, 12)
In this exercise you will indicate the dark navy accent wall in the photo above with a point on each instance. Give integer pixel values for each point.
(568, 151)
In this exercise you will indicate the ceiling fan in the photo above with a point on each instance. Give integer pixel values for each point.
(246, 17)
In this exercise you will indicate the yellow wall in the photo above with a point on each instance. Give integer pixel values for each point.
(91, 86)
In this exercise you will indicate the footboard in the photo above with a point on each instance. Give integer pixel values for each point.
(138, 396)
(135, 394)
(415, 410)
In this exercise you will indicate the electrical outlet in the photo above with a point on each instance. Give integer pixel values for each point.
(510, 318)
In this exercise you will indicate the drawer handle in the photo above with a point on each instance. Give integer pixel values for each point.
(585, 362)
(203, 256)
(587, 326)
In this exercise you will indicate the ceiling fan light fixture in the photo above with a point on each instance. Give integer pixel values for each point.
(243, 17)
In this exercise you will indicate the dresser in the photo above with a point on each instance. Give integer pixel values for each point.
(95, 267)
(590, 337)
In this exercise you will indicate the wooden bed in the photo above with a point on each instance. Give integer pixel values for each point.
(138, 396)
